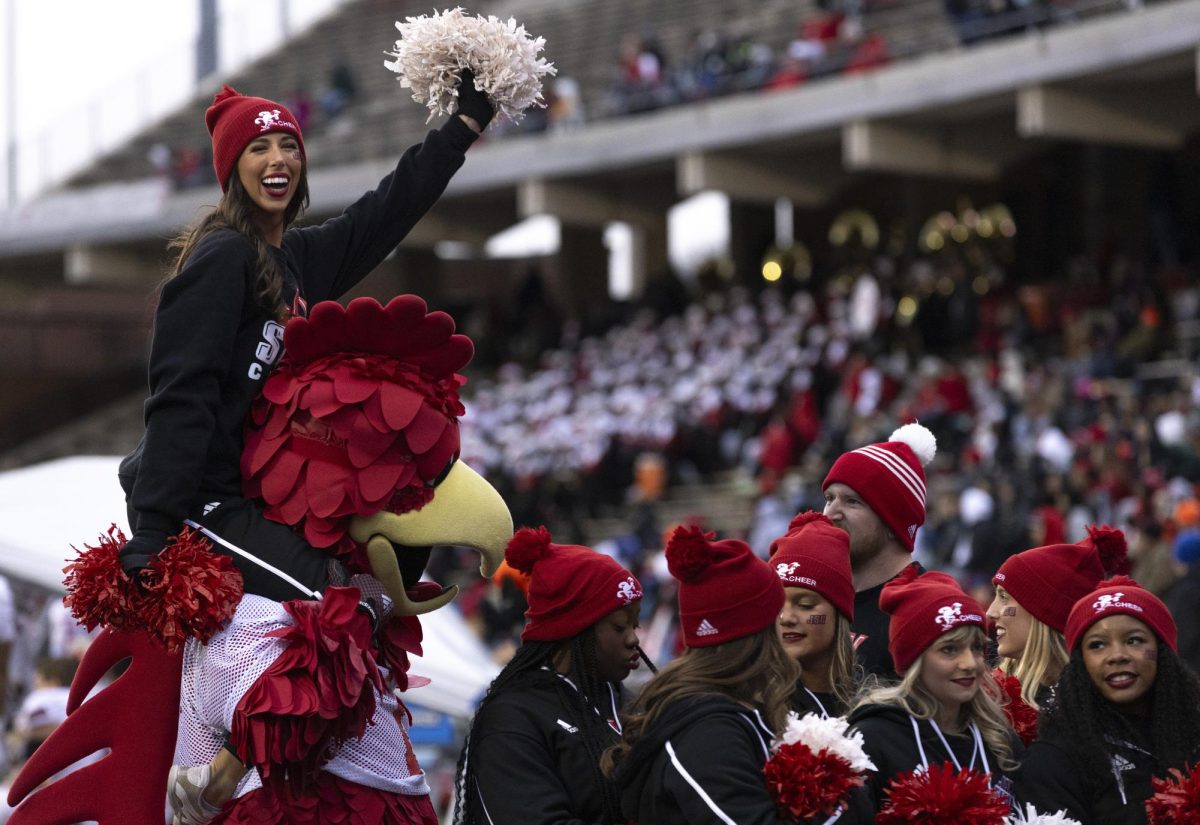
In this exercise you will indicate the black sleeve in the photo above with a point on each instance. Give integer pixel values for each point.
(334, 256)
(516, 777)
(1050, 781)
(195, 326)
(714, 772)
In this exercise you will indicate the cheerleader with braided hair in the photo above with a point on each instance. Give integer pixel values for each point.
(533, 750)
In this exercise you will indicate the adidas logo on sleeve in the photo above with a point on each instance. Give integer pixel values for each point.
(706, 628)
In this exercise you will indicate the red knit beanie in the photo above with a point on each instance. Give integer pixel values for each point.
(923, 607)
(890, 478)
(815, 554)
(725, 591)
(1048, 580)
(234, 120)
(570, 587)
(1121, 595)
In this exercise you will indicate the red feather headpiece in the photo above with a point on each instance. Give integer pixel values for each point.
(359, 416)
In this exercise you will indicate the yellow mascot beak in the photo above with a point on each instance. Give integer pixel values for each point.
(465, 511)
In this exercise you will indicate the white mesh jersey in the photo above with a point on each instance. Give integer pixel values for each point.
(217, 675)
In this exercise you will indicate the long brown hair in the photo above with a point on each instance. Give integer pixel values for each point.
(911, 696)
(844, 673)
(236, 211)
(754, 671)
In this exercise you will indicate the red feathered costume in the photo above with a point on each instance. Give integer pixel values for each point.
(353, 444)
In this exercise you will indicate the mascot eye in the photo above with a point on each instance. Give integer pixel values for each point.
(434, 482)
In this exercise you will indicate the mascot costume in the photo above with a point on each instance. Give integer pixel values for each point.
(354, 444)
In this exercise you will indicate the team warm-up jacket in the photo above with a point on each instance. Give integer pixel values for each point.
(528, 756)
(213, 346)
(1052, 778)
(895, 748)
(822, 704)
(701, 763)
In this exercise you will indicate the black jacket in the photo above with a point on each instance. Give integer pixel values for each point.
(213, 346)
(1053, 778)
(822, 704)
(889, 740)
(529, 759)
(701, 763)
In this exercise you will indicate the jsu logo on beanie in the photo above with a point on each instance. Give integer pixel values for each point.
(266, 121)
(787, 572)
(629, 590)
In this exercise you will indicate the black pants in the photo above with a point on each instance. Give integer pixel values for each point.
(274, 561)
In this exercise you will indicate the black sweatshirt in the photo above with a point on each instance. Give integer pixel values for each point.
(871, 623)
(528, 756)
(1052, 777)
(213, 346)
(889, 740)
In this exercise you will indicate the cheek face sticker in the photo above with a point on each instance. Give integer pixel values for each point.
(1008, 612)
(1150, 655)
(818, 619)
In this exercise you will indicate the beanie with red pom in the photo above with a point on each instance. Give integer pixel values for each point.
(1121, 595)
(815, 554)
(890, 478)
(1047, 581)
(725, 591)
(923, 607)
(234, 120)
(570, 587)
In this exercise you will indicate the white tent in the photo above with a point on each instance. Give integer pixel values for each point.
(47, 508)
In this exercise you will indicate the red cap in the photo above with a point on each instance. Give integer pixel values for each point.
(570, 587)
(234, 120)
(815, 554)
(1048, 580)
(1121, 595)
(923, 607)
(890, 478)
(725, 591)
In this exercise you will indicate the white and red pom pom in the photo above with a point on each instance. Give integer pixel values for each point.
(1029, 816)
(434, 49)
(919, 439)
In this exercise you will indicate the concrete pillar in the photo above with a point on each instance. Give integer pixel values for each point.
(579, 281)
(751, 231)
(98, 265)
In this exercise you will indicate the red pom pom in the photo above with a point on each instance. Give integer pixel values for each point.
(942, 795)
(98, 591)
(806, 784)
(807, 517)
(1111, 545)
(1120, 581)
(1021, 715)
(185, 591)
(190, 591)
(689, 553)
(1176, 799)
(526, 548)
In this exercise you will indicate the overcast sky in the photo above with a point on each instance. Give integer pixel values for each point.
(87, 74)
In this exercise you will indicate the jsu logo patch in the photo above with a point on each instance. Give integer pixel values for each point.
(270, 120)
(628, 590)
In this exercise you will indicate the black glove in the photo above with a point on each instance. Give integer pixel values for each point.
(472, 102)
(140, 550)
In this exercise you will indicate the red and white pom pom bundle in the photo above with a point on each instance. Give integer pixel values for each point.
(943, 795)
(434, 49)
(1020, 713)
(813, 766)
(1176, 799)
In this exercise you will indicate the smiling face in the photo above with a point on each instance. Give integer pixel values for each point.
(1120, 654)
(951, 669)
(269, 170)
(847, 510)
(1012, 622)
(617, 643)
(806, 626)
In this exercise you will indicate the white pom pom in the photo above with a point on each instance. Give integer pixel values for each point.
(1030, 816)
(920, 439)
(433, 50)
